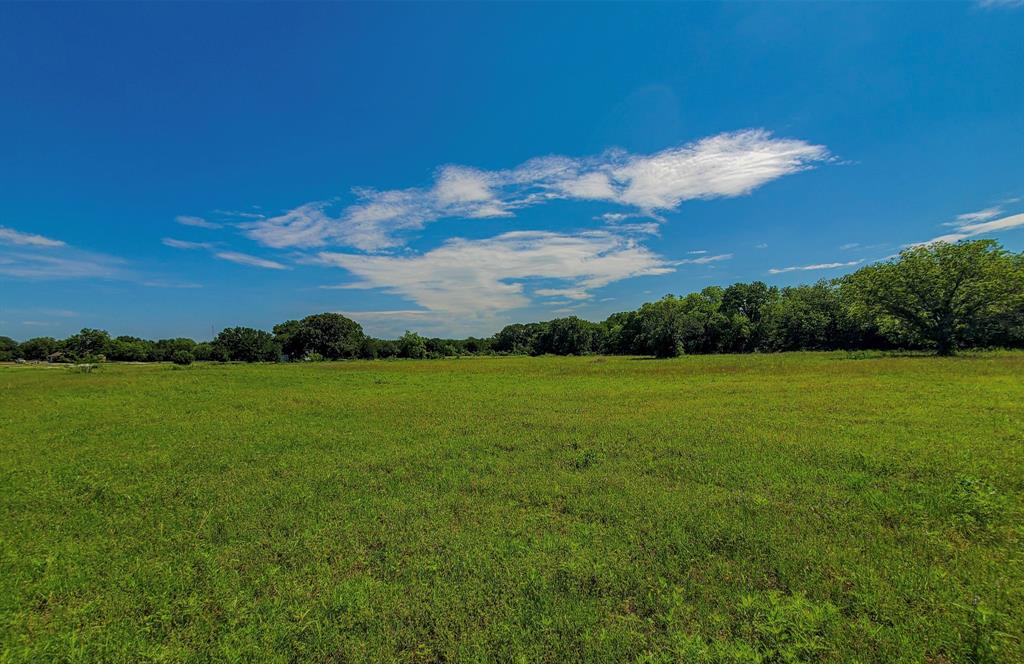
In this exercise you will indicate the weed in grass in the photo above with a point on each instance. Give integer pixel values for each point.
(987, 639)
(977, 503)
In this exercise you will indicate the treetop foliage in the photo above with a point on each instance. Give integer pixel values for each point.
(941, 297)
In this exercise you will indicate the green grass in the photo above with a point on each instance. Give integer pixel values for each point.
(824, 507)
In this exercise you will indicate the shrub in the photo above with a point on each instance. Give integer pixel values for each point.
(182, 357)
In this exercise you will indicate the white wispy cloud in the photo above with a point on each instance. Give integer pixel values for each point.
(568, 293)
(726, 165)
(196, 222)
(481, 277)
(246, 259)
(359, 285)
(816, 266)
(849, 245)
(970, 230)
(11, 236)
(304, 227)
(164, 283)
(232, 256)
(39, 257)
(240, 214)
(616, 217)
(704, 260)
(997, 4)
(73, 265)
(184, 244)
(388, 314)
(979, 215)
(698, 251)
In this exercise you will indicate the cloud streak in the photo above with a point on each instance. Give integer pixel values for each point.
(252, 261)
(816, 266)
(482, 277)
(73, 265)
(704, 260)
(11, 236)
(980, 215)
(725, 165)
(966, 231)
(184, 244)
(196, 222)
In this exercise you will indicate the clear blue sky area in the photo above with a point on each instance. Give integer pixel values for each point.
(172, 169)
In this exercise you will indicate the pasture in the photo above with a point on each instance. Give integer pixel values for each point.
(789, 507)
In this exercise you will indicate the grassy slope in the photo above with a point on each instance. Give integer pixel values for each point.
(550, 508)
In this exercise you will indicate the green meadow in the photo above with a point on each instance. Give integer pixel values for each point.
(791, 507)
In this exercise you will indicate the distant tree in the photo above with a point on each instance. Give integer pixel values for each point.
(8, 349)
(130, 349)
(386, 348)
(658, 328)
(87, 344)
(245, 344)
(805, 318)
(569, 336)
(745, 306)
(207, 351)
(704, 326)
(438, 348)
(331, 335)
(618, 336)
(368, 348)
(182, 357)
(519, 338)
(477, 346)
(942, 293)
(164, 349)
(38, 348)
(284, 335)
(412, 345)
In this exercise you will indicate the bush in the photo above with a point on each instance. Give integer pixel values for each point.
(182, 357)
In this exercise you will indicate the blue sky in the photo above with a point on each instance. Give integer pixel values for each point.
(172, 169)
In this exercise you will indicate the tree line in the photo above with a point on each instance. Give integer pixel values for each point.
(941, 297)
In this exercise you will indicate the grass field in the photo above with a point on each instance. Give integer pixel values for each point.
(823, 507)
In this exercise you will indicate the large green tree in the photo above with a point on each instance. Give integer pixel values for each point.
(519, 338)
(941, 293)
(87, 344)
(412, 346)
(658, 328)
(747, 306)
(805, 318)
(570, 336)
(330, 335)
